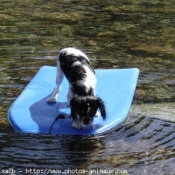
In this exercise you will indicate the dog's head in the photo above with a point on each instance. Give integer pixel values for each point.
(84, 109)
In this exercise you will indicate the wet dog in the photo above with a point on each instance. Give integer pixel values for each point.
(84, 104)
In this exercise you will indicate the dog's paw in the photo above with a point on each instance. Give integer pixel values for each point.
(51, 100)
(76, 125)
(97, 114)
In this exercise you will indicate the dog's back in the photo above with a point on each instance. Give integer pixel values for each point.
(78, 70)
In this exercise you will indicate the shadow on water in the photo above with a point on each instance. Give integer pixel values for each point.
(140, 144)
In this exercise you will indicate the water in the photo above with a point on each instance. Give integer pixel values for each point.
(114, 34)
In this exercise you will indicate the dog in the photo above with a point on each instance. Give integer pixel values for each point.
(84, 104)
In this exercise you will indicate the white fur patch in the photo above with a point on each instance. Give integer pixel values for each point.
(90, 80)
(76, 122)
(74, 51)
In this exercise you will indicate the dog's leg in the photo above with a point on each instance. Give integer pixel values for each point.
(59, 79)
(70, 95)
(97, 114)
(76, 122)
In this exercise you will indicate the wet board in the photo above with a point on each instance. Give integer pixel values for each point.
(31, 113)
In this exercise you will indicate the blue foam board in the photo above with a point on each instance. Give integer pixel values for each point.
(31, 113)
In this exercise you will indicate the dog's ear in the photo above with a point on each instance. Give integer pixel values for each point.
(101, 106)
(74, 104)
(73, 107)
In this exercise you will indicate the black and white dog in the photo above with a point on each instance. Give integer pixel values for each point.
(81, 98)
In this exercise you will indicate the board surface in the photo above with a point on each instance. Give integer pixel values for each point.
(31, 113)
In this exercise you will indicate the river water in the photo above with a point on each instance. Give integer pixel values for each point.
(114, 34)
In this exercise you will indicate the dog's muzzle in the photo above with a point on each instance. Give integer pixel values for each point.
(87, 121)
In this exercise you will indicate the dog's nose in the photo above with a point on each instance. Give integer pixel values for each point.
(86, 121)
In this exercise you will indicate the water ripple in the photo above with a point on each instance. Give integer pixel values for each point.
(115, 34)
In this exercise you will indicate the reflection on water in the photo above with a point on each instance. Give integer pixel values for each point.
(114, 34)
(141, 144)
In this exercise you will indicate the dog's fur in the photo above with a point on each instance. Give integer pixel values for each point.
(77, 68)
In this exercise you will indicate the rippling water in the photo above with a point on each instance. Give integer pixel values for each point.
(114, 34)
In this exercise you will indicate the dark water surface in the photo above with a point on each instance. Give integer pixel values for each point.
(114, 34)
